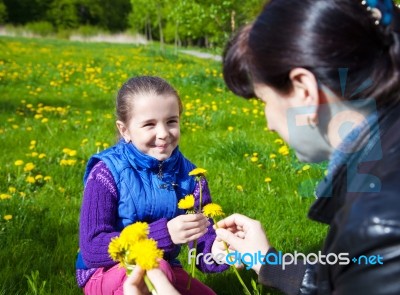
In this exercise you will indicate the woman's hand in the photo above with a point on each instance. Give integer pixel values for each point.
(244, 235)
(134, 284)
(187, 228)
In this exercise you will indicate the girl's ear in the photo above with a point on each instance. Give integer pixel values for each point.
(123, 130)
(305, 87)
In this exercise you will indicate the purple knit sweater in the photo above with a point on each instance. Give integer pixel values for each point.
(98, 219)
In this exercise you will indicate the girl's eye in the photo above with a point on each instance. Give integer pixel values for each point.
(172, 121)
(148, 125)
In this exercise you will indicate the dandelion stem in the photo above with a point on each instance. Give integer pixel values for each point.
(192, 264)
(246, 291)
(201, 194)
(150, 285)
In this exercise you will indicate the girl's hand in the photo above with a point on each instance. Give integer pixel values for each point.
(187, 228)
(244, 235)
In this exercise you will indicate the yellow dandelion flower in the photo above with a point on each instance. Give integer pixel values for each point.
(71, 162)
(29, 167)
(66, 150)
(7, 217)
(45, 120)
(42, 155)
(186, 203)
(198, 172)
(72, 153)
(212, 210)
(12, 189)
(63, 162)
(306, 167)
(254, 159)
(47, 178)
(18, 163)
(116, 249)
(134, 232)
(268, 179)
(38, 177)
(278, 141)
(30, 179)
(230, 128)
(284, 150)
(5, 196)
(239, 188)
(145, 254)
(272, 156)
(22, 194)
(34, 154)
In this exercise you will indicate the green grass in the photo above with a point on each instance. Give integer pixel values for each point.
(58, 95)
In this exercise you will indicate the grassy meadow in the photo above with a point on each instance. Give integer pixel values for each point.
(57, 109)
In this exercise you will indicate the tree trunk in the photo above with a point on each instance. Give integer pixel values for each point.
(160, 28)
(233, 23)
(176, 38)
(149, 30)
(145, 30)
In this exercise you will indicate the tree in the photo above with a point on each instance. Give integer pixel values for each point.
(3, 12)
(24, 11)
(63, 14)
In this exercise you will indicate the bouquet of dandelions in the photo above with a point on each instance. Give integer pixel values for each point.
(133, 247)
(211, 210)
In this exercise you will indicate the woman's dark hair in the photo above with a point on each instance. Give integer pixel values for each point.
(324, 36)
(141, 85)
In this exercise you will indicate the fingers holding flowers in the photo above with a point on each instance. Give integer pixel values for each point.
(243, 234)
(187, 228)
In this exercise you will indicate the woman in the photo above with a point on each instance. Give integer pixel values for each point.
(328, 72)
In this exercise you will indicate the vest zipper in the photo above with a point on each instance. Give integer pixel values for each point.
(160, 173)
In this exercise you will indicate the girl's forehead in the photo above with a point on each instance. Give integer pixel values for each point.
(155, 105)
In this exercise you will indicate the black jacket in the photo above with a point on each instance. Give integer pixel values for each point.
(361, 203)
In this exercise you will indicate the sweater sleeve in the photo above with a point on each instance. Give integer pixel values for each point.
(288, 280)
(158, 231)
(98, 217)
(204, 244)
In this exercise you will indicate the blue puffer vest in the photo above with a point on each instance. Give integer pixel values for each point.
(148, 189)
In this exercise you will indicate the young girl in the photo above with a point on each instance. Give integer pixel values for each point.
(142, 178)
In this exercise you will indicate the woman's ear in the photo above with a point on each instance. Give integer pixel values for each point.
(123, 130)
(306, 92)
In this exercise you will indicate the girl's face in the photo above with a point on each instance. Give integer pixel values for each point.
(154, 125)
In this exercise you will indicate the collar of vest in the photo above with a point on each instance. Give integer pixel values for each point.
(141, 161)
